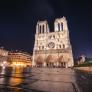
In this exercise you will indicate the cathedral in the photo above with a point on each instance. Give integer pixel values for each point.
(52, 49)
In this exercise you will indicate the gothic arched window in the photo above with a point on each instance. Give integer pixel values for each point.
(40, 29)
(63, 46)
(60, 46)
(61, 26)
(43, 29)
(42, 47)
(58, 26)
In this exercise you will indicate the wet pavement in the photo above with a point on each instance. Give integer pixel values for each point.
(38, 80)
(84, 80)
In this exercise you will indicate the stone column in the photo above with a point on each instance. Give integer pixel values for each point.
(44, 64)
(57, 64)
(66, 66)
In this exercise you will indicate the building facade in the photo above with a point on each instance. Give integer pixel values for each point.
(52, 49)
(18, 58)
(3, 57)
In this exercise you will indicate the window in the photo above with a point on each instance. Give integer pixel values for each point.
(58, 27)
(54, 36)
(61, 26)
(42, 47)
(43, 29)
(40, 29)
(63, 46)
(60, 46)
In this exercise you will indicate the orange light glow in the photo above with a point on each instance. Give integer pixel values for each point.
(18, 64)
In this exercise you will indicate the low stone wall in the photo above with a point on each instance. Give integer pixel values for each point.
(87, 69)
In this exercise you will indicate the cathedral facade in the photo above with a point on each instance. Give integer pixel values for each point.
(52, 49)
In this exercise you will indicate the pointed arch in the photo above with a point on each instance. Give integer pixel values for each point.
(49, 58)
(60, 59)
(50, 61)
(39, 60)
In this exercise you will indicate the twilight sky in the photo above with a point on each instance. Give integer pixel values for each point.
(18, 19)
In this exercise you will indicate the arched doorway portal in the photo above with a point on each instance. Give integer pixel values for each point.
(61, 62)
(39, 61)
(50, 61)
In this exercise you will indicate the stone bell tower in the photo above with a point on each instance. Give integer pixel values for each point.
(42, 29)
(61, 26)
